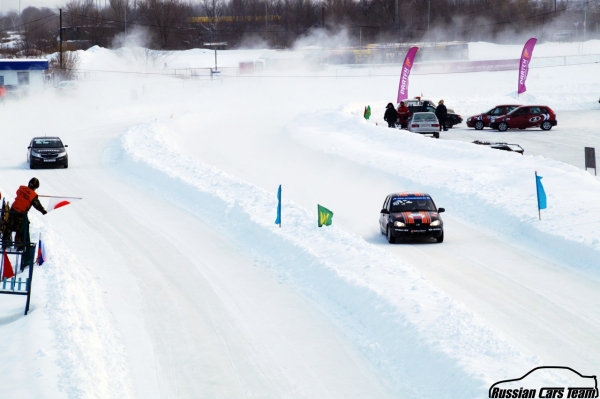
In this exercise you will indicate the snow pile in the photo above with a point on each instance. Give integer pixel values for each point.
(421, 339)
(494, 189)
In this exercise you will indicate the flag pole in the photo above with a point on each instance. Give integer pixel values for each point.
(280, 211)
(58, 196)
(537, 192)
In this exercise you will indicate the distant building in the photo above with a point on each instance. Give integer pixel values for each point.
(26, 73)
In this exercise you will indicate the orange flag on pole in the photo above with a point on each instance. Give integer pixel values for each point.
(7, 269)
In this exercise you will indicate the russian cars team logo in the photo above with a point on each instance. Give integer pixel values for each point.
(535, 384)
(535, 119)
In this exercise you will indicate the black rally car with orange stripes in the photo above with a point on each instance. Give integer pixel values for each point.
(411, 214)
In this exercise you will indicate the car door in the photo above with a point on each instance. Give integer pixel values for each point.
(494, 113)
(383, 218)
(518, 119)
(536, 116)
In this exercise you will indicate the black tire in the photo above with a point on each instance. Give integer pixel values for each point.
(31, 165)
(436, 135)
(391, 239)
(440, 238)
(66, 165)
(503, 126)
(448, 124)
(546, 125)
(479, 125)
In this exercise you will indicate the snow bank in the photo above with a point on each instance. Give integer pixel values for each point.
(492, 189)
(423, 341)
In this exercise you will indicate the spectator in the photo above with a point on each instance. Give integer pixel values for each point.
(390, 115)
(442, 113)
(403, 115)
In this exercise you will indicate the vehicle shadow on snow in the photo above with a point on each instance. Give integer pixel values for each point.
(381, 239)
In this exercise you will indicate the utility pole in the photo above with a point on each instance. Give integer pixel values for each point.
(585, 20)
(61, 40)
(397, 16)
(428, 14)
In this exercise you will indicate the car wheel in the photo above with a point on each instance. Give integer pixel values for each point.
(390, 237)
(31, 165)
(479, 125)
(440, 238)
(503, 126)
(448, 124)
(436, 135)
(546, 125)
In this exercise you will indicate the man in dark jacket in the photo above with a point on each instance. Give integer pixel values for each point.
(390, 115)
(26, 198)
(442, 114)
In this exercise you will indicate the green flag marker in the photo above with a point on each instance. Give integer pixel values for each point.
(325, 216)
(367, 113)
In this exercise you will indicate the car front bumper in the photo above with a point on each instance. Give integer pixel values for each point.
(417, 231)
(50, 162)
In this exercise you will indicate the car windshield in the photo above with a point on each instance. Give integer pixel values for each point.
(424, 117)
(414, 203)
(47, 143)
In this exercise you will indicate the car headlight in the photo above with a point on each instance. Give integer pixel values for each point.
(469, 120)
(62, 154)
(36, 154)
(398, 223)
(435, 223)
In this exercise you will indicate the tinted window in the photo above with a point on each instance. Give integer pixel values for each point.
(430, 109)
(509, 109)
(47, 143)
(497, 111)
(404, 204)
(535, 110)
(424, 118)
(519, 111)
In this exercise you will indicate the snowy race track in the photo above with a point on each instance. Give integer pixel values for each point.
(170, 279)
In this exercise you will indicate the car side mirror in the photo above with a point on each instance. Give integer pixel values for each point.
(66, 145)
(440, 210)
(29, 147)
(385, 211)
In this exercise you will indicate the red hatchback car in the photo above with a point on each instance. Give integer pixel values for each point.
(483, 120)
(524, 117)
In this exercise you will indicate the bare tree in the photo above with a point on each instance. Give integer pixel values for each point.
(163, 16)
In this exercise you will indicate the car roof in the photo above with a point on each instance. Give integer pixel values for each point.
(49, 137)
(408, 194)
(509, 105)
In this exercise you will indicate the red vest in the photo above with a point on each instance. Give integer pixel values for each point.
(25, 197)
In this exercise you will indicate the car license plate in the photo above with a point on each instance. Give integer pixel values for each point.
(426, 125)
(49, 160)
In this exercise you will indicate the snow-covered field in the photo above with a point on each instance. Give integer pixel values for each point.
(170, 279)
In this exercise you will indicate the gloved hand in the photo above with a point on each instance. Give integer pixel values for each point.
(44, 212)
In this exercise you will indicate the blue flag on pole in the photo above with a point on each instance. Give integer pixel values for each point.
(278, 220)
(541, 194)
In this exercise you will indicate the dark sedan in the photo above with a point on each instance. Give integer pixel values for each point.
(47, 152)
(411, 215)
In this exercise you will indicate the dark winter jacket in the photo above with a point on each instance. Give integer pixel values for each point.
(441, 112)
(390, 115)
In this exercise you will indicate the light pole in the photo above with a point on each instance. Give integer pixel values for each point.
(428, 13)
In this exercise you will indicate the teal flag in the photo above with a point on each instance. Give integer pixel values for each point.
(541, 194)
(278, 220)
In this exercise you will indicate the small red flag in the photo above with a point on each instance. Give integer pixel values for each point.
(7, 270)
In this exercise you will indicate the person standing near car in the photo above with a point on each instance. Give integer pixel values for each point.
(390, 115)
(26, 198)
(403, 115)
(442, 114)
